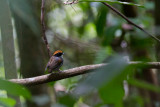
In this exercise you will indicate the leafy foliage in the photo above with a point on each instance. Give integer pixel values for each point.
(14, 89)
(109, 1)
(7, 102)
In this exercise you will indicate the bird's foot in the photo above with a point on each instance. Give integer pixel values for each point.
(49, 71)
(59, 70)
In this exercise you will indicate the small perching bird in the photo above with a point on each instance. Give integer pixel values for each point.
(55, 62)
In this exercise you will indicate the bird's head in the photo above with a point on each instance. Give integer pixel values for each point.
(58, 53)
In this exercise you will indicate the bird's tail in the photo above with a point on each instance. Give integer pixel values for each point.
(46, 68)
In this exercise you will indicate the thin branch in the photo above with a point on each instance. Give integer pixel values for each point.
(44, 27)
(70, 3)
(74, 72)
(129, 21)
(120, 14)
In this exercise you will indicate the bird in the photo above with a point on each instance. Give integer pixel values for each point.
(55, 62)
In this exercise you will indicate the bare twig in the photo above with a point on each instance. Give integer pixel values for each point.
(70, 3)
(44, 28)
(129, 21)
(74, 72)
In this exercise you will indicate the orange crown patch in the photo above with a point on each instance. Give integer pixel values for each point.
(58, 51)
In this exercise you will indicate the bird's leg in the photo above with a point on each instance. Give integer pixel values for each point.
(59, 70)
(50, 71)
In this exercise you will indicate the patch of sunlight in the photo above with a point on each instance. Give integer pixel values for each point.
(75, 13)
(3, 93)
(90, 32)
(57, 22)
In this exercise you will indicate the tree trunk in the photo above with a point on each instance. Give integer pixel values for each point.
(31, 48)
(8, 45)
(157, 33)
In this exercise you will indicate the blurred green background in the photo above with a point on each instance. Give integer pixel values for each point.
(88, 33)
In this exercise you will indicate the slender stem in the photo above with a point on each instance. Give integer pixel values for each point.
(44, 27)
(129, 21)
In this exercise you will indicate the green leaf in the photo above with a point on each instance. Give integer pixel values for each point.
(7, 102)
(109, 1)
(66, 99)
(144, 85)
(112, 92)
(14, 89)
(103, 76)
(109, 35)
(101, 20)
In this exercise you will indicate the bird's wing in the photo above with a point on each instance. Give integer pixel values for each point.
(54, 62)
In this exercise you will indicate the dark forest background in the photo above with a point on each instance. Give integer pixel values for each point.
(88, 32)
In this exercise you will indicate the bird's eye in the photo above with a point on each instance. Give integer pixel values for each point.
(58, 54)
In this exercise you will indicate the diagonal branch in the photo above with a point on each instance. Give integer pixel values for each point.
(129, 21)
(120, 14)
(74, 72)
(44, 27)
